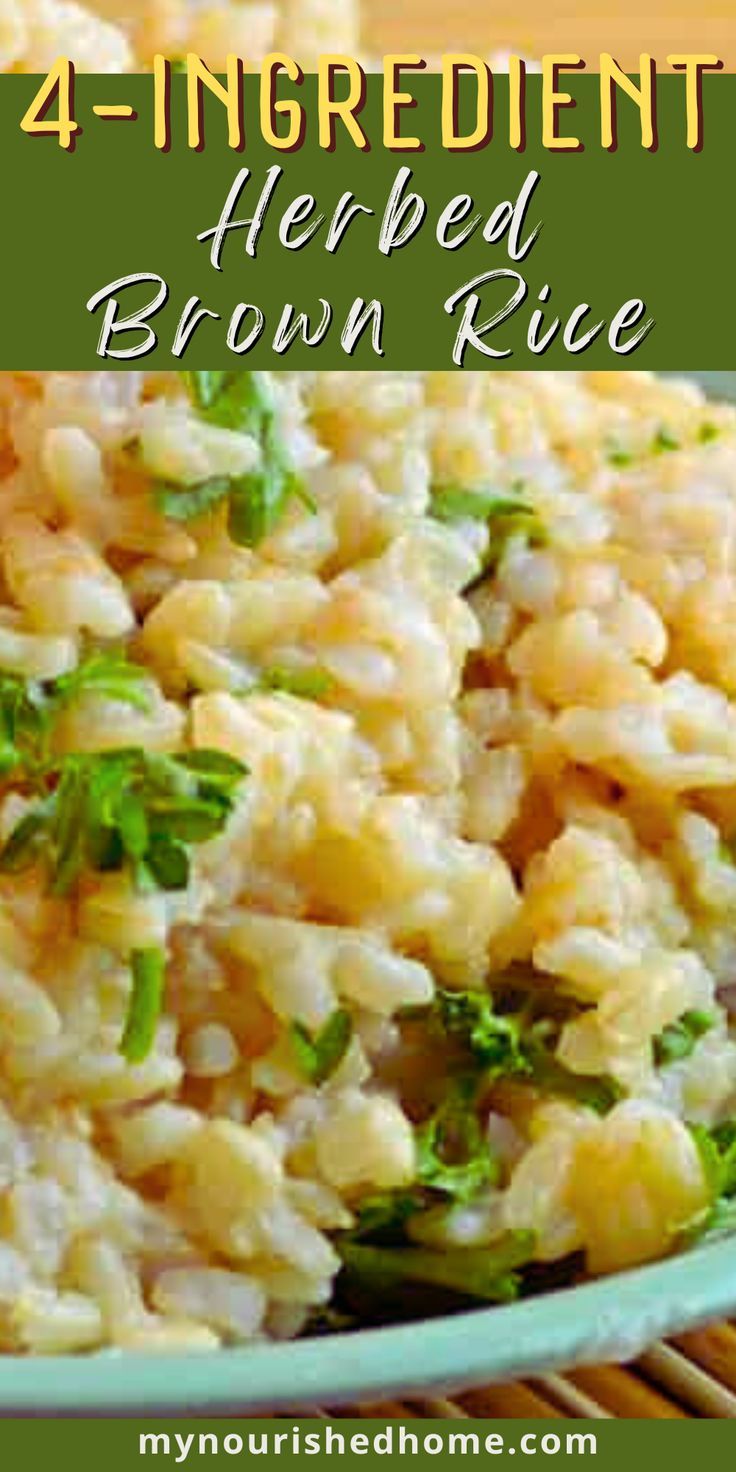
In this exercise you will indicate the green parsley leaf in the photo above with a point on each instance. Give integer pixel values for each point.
(453, 1154)
(125, 807)
(164, 864)
(719, 1221)
(225, 397)
(29, 708)
(512, 1044)
(717, 1150)
(24, 722)
(458, 503)
(454, 1161)
(242, 400)
(258, 501)
(148, 969)
(707, 432)
(619, 457)
(25, 844)
(595, 1091)
(487, 1273)
(106, 673)
(216, 768)
(454, 1164)
(110, 810)
(678, 1040)
(494, 1042)
(187, 502)
(505, 516)
(309, 683)
(320, 1053)
(664, 440)
(382, 1217)
(454, 1158)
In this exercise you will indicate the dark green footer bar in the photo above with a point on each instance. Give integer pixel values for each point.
(180, 1442)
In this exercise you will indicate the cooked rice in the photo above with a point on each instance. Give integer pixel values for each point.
(540, 772)
(34, 33)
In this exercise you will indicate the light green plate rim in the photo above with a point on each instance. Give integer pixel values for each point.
(613, 1318)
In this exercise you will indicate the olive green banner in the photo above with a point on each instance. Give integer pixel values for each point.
(504, 256)
(352, 1444)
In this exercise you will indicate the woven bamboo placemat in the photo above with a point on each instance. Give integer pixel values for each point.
(692, 1375)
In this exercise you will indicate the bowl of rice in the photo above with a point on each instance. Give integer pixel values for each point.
(367, 877)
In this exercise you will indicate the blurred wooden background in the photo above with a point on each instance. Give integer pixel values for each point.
(533, 26)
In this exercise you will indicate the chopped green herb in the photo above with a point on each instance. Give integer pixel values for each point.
(594, 1091)
(148, 968)
(719, 1221)
(106, 673)
(258, 501)
(664, 440)
(217, 395)
(187, 502)
(126, 807)
(25, 844)
(308, 683)
(28, 708)
(679, 1039)
(453, 1154)
(717, 1148)
(469, 1019)
(382, 1218)
(239, 399)
(487, 1273)
(504, 523)
(24, 722)
(505, 517)
(513, 1044)
(382, 1263)
(320, 1053)
(454, 1164)
(457, 503)
(619, 457)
